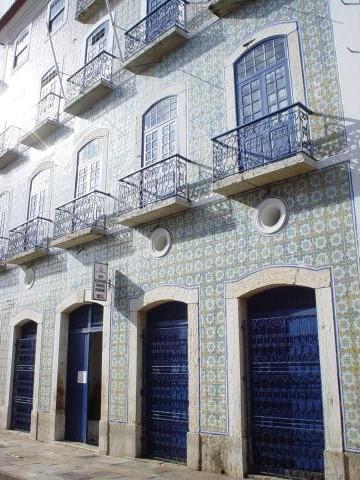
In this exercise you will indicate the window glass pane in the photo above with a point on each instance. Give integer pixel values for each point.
(56, 14)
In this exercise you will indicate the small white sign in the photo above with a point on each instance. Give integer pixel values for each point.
(82, 376)
(100, 281)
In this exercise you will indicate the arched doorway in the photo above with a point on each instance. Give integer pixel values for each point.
(285, 411)
(83, 379)
(23, 377)
(165, 382)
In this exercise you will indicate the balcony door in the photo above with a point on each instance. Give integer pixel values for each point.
(97, 41)
(4, 211)
(263, 88)
(39, 195)
(159, 143)
(88, 177)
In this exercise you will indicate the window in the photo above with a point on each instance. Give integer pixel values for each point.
(97, 42)
(4, 209)
(89, 167)
(49, 83)
(160, 131)
(39, 194)
(56, 14)
(21, 51)
(262, 80)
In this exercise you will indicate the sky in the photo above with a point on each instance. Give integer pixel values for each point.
(4, 5)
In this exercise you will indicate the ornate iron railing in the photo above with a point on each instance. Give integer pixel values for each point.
(99, 68)
(82, 5)
(31, 234)
(89, 210)
(164, 179)
(274, 137)
(49, 107)
(3, 249)
(10, 138)
(170, 14)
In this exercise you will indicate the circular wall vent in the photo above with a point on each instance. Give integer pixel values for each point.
(160, 242)
(29, 277)
(271, 216)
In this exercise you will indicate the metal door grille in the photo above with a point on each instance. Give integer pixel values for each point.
(286, 413)
(23, 386)
(166, 390)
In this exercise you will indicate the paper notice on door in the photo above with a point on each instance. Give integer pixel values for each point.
(82, 376)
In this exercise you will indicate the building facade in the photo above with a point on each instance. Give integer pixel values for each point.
(201, 160)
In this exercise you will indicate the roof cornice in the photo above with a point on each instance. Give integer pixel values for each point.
(9, 14)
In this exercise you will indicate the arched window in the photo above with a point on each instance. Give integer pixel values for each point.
(4, 209)
(89, 167)
(160, 131)
(97, 41)
(262, 80)
(39, 195)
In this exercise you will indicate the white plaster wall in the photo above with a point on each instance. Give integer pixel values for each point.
(346, 24)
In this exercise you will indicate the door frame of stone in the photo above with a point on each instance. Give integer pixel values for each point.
(15, 329)
(236, 294)
(58, 390)
(138, 308)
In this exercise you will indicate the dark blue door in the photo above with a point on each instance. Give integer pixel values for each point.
(23, 383)
(286, 415)
(82, 323)
(166, 383)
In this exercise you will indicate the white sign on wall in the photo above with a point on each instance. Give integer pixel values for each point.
(100, 281)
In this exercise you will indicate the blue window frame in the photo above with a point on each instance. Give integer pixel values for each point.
(262, 80)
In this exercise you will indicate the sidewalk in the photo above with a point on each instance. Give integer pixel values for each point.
(25, 459)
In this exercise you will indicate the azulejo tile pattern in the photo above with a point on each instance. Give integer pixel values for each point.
(216, 242)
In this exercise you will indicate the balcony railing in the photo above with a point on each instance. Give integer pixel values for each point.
(82, 6)
(31, 234)
(3, 249)
(164, 179)
(49, 107)
(275, 137)
(99, 68)
(87, 211)
(9, 139)
(168, 15)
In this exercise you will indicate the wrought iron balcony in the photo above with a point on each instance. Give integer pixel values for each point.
(154, 191)
(272, 148)
(9, 145)
(82, 220)
(156, 35)
(29, 241)
(85, 9)
(89, 84)
(47, 121)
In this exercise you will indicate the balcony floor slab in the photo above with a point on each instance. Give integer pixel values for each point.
(8, 156)
(36, 137)
(221, 8)
(154, 51)
(87, 13)
(28, 256)
(79, 237)
(87, 98)
(154, 211)
(265, 174)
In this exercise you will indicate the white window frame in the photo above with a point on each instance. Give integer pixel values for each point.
(110, 39)
(27, 48)
(64, 19)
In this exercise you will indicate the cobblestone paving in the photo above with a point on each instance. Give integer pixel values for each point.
(24, 459)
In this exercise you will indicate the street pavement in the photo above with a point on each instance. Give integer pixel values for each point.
(25, 459)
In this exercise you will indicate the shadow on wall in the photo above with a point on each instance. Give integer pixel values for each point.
(124, 289)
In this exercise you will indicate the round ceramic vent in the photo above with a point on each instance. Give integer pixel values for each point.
(29, 277)
(271, 216)
(160, 242)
